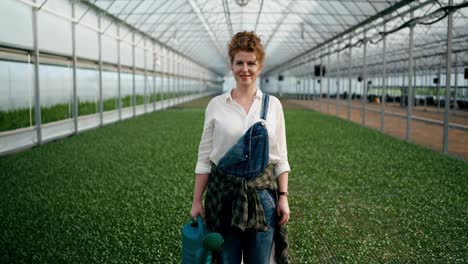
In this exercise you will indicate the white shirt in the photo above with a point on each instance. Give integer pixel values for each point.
(226, 121)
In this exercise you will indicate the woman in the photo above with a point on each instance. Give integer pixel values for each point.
(242, 158)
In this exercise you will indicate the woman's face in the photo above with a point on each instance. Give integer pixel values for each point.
(245, 68)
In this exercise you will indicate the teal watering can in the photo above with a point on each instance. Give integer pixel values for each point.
(198, 244)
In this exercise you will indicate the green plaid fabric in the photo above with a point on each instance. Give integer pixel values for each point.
(246, 212)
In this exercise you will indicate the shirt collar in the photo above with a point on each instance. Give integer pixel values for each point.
(228, 97)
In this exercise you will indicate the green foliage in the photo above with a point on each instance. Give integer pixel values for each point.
(87, 108)
(359, 196)
(127, 101)
(140, 99)
(154, 97)
(19, 118)
(110, 104)
(120, 194)
(14, 119)
(55, 113)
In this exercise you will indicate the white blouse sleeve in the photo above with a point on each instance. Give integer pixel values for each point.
(283, 164)
(206, 143)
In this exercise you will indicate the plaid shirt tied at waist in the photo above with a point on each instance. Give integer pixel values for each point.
(246, 212)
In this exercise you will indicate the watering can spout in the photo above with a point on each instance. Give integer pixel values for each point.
(198, 244)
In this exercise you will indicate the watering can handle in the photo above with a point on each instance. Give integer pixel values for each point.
(200, 227)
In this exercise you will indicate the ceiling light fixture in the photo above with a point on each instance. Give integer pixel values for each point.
(242, 2)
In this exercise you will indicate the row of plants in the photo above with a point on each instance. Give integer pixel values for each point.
(120, 194)
(24, 117)
(430, 91)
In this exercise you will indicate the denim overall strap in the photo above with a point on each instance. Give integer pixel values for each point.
(249, 157)
(266, 99)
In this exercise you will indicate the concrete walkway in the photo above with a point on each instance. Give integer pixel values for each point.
(426, 124)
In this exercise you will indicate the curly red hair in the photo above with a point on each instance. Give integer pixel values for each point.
(247, 41)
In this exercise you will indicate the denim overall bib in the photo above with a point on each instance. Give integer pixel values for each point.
(248, 159)
(249, 156)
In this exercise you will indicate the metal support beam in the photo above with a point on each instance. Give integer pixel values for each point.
(321, 83)
(286, 11)
(258, 16)
(162, 80)
(133, 76)
(145, 85)
(328, 80)
(337, 99)
(119, 73)
(168, 78)
(154, 77)
(173, 86)
(368, 21)
(37, 93)
(364, 85)
(201, 17)
(314, 82)
(448, 75)
(75, 97)
(296, 87)
(439, 77)
(350, 64)
(178, 79)
(409, 93)
(455, 106)
(100, 102)
(227, 16)
(384, 80)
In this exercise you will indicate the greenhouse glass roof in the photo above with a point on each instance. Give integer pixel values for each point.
(201, 29)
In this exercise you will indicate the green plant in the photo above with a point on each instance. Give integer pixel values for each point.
(122, 193)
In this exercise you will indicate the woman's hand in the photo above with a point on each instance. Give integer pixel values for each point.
(200, 184)
(283, 209)
(197, 209)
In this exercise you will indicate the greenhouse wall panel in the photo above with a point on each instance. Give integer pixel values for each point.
(21, 33)
(87, 45)
(55, 33)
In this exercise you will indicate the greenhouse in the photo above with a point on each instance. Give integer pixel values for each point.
(103, 104)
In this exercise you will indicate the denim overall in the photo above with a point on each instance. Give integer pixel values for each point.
(248, 158)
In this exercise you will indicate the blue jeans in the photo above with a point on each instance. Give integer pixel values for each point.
(255, 247)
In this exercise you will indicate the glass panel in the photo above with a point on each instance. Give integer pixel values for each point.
(21, 33)
(16, 105)
(139, 54)
(56, 100)
(116, 6)
(109, 43)
(127, 94)
(367, 8)
(86, 38)
(88, 97)
(140, 93)
(126, 50)
(110, 95)
(160, 87)
(54, 33)
(126, 54)
(352, 8)
(149, 93)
